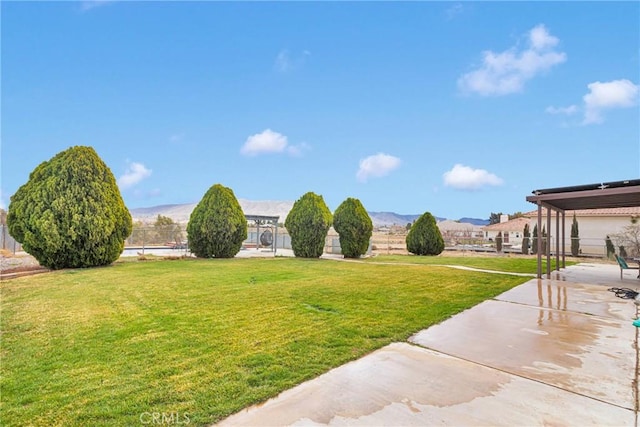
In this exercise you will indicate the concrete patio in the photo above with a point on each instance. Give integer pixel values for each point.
(559, 351)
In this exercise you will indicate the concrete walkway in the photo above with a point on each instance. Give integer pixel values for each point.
(549, 352)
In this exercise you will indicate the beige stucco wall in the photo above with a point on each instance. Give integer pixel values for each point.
(515, 237)
(592, 231)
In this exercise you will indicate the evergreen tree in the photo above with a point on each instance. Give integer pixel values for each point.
(70, 212)
(217, 226)
(425, 238)
(308, 223)
(534, 241)
(525, 240)
(499, 242)
(575, 240)
(610, 248)
(494, 218)
(353, 224)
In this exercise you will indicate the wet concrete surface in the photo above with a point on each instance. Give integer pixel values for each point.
(548, 352)
(573, 297)
(403, 384)
(590, 355)
(597, 274)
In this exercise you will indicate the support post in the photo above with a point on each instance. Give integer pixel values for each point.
(564, 246)
(539, 242)
(557, 241)
(547, 243)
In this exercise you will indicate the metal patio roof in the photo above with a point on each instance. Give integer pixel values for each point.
(618, 194)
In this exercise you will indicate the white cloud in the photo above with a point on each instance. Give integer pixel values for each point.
(269, 141)
(540, 38)
(92, 4)
(507, 72)
(285, 62)
(465, 178)
(608, 95)
(266, 142)
(176, 138)
(298, 150)
(454, 11)
(135, 173)
(376, 166)
(571, 109)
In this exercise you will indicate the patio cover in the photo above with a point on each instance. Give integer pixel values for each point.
(618, 194)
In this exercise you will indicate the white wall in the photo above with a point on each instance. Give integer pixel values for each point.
(592, 231)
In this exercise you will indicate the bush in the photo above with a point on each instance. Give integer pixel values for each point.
(575, 240)
(353, 224)
(623, 252)
(217, 226)
(70, 213)
(610, 248)
(525, 240)
(424, 238)
(308, 223)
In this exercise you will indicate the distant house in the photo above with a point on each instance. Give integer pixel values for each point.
(453, 231)
(512, 230)
(594, 225)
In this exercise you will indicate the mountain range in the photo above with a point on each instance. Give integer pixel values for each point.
(180, 213)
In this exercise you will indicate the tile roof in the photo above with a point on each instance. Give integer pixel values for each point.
(450, 225)
(516, 224)
(592, 212)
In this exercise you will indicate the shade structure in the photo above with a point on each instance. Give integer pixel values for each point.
(616, 194)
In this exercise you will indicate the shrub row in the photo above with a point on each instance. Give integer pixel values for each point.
(70, 214)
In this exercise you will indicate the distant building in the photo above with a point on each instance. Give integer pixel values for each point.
(594, 225)
(454, 232)
(512, 230)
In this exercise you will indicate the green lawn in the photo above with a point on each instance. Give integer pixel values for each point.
(512, 264)
(205, 338)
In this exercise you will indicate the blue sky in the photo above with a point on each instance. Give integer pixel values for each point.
(459, 109)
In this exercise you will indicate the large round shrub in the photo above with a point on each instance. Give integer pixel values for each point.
(353, 224)
(217, 226)
(425, 238)
(308, 223)
(70, 212)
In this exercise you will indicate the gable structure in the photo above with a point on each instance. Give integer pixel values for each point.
(559, 201)
(512, 231)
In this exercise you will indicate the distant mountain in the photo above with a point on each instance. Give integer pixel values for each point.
(475, 221)
(180, 213)
(381, 219)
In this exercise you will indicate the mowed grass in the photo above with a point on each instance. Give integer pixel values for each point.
(511, 264)
(205, 338)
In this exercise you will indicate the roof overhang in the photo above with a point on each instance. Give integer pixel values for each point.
(262, 218)
(619, 194)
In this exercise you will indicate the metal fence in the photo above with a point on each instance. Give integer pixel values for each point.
(175, 237)
(7, 242)
(394, 242)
